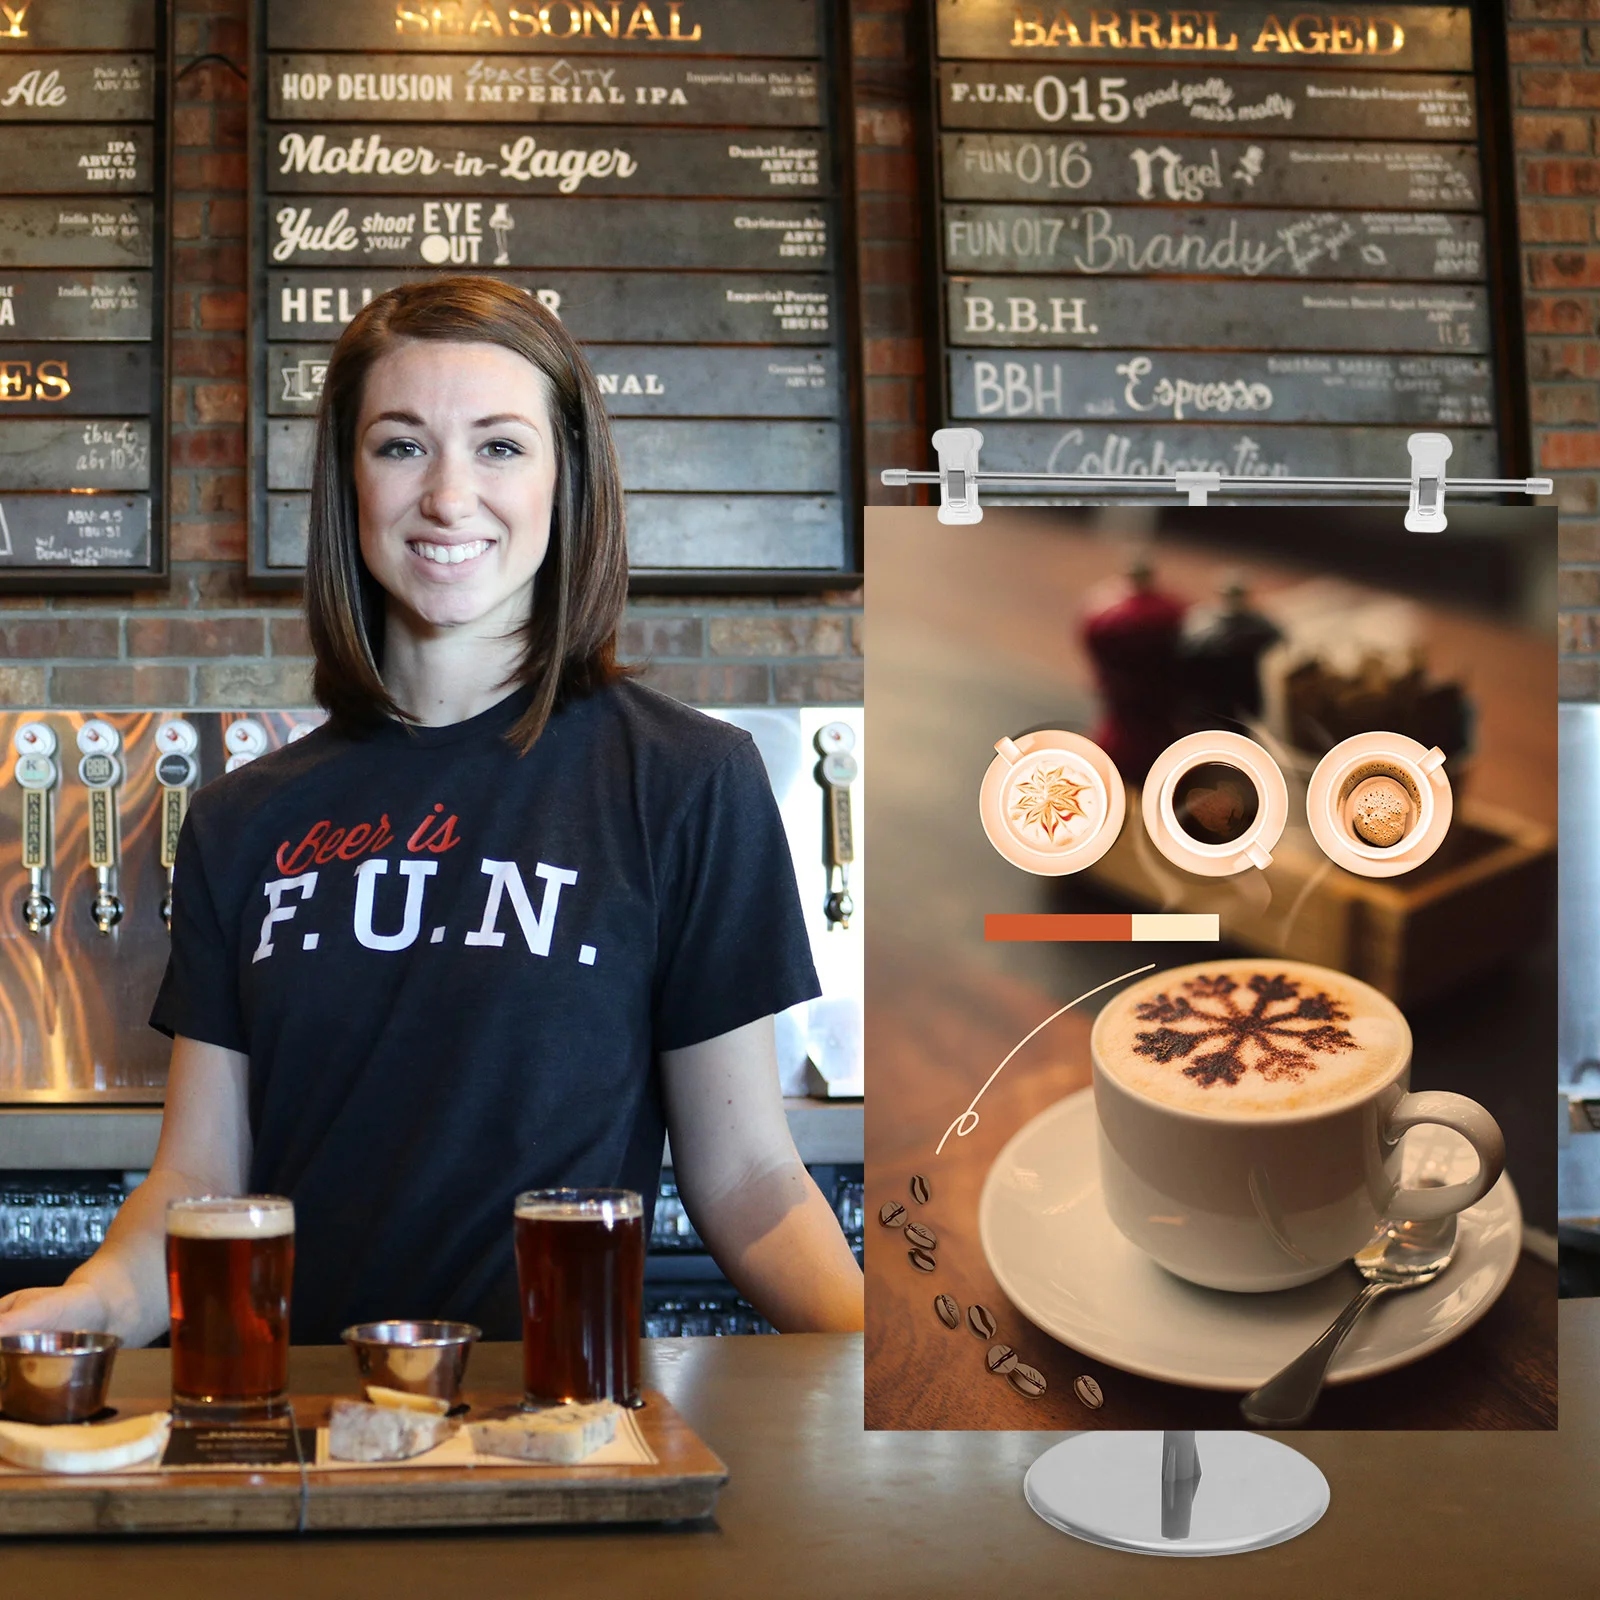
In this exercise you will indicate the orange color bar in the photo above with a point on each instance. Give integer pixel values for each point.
(1109, 927)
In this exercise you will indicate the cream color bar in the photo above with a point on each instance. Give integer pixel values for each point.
(1137, 927)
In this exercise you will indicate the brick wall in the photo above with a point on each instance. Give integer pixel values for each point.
(209, 640)
(1555, 73)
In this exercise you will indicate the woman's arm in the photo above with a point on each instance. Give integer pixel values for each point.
(204, 1149)
(746, 1190)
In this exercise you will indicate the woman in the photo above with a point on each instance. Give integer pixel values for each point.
(502, 922)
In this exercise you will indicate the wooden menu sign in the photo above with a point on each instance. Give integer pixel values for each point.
(84, 93)
(663, 177)
(1243, 229)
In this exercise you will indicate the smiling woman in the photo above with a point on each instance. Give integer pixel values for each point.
(401, 1034)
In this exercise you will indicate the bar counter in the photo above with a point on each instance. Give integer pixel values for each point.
(815, 1508)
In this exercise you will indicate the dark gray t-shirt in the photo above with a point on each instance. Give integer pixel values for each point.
(453, 968)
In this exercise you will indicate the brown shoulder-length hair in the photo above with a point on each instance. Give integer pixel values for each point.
(569, 640)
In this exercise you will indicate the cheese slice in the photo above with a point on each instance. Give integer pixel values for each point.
(561, 1435)
(399, 1400)
(87, 1446)
(358, 1432)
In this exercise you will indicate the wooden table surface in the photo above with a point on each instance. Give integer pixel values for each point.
(967, 646)
(815, 1508)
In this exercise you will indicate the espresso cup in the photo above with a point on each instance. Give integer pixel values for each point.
(1250, 1114)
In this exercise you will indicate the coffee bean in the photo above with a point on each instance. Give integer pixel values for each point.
(1027, 1380)
(1088, 1391)
(892, 1214)
(949, 1311)
(981, 1322)
(919, 1189)
(923, 1238)
(921, 1260)
(1001, 1358)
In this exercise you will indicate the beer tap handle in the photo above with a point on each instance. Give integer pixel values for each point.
(101, 773)
(177, 772)
(244, 740)
(36, 773)
(836, 771)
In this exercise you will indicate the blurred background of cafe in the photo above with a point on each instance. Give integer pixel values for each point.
(210, 631)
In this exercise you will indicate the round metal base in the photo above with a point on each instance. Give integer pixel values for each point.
(1107, 1488)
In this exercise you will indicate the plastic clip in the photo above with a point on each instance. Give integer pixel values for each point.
(958, 474)
(1429, 452)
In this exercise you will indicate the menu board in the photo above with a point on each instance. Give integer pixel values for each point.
(665, 178)
(83, 381)
(1246, 240)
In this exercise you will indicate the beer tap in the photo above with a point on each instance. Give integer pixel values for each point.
(244, 741)
(101, 772)
(35, 744)
(836, 771)
(177, 772)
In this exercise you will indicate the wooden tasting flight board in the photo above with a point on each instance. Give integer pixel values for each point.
(682, 1484)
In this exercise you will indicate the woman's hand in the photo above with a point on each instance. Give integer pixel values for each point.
(746, 1189)
(71, 1307)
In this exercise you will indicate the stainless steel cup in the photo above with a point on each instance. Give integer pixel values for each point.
(415, 1357)
(54, 1376)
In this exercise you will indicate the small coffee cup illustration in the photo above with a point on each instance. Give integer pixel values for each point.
(1379, 804)
(1215, 804)
(1052, 802)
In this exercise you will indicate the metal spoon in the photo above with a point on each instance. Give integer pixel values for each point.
(1404, 1256)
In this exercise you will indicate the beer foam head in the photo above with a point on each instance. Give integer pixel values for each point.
(231, 1217)
(1251, 1038)
(579, 1205)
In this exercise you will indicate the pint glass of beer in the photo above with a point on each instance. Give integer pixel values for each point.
(230, 1261)
(580, 1267)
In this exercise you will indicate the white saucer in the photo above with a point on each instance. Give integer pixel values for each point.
(1064, 1265)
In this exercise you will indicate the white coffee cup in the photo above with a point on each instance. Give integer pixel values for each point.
(1250, 1113)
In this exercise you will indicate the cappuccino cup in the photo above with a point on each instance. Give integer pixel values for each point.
(1250, 1114)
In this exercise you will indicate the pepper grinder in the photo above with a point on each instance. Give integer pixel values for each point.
(1220, 661)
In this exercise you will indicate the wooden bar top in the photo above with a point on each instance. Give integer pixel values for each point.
(814, 1508)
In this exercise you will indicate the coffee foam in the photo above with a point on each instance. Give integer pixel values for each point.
(1269, 1038)
(231, 1221)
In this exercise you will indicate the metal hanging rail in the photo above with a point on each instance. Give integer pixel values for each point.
(959, 476)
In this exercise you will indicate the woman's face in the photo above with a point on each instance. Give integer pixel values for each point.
(455, 470)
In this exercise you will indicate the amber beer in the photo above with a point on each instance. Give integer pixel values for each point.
(230, 1263)
(580, 1268)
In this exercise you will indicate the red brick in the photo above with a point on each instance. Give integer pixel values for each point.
(647, 636)
(1545, 44)
(225, 585)
(194, 357)
(289, 636)
(208, 80)
(189, 38)
(23, 686)
(1558, 450)
(1558, 90)
(219, 402)
(1577, 586)
(231, 127)
(885, 127)
(833, 599)
(224, 492)
(180, 494)
(209, 172)
(711, 683)
(183, 309)
(1579, 541)
(1577, 632)
(900, 358)
(208, 447)
(817, 683)
(1579, 680)
(1553, 405)
(1569, 135)
(894, 262)
(229, 219)
(888, 216)
(223, 310)
(195, 636)
(55, 637)
(886, 172)
(1563, 358)
(1564, 269)
(890, 446)
(889, 400)
(743, 634)
(1577, 495)
(208, 541)
(887, 313)
(285, 683)
(229, 36)
(188, 219)
(209, 263)
(880, 36)
(1548, 313)
(1555, 222)
(126, 684)
(1553, 10)
(191, 125)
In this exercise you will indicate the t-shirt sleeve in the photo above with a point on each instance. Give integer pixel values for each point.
(199, 995)
(733, 943)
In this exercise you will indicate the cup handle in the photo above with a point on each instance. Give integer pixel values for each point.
(1475, 1125)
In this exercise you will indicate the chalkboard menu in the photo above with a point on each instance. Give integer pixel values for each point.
(1249, 239)
(83, 373)
(667, 177)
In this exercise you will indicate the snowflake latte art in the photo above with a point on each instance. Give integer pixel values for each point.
(1251, 1038)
